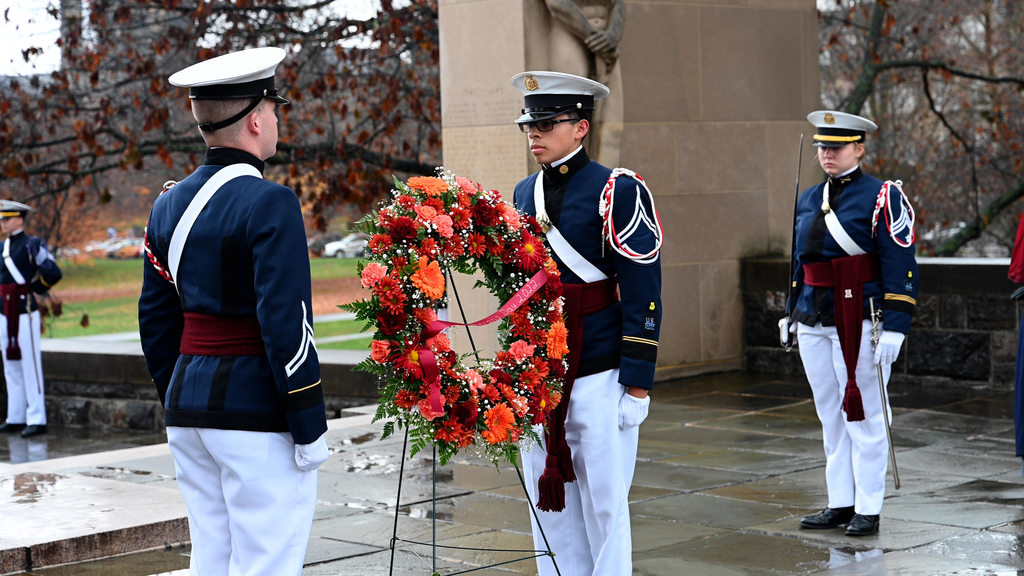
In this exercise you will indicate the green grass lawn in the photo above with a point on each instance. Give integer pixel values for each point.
(339, 327)
(120, 314)
(100, 273)
(107, 273)
(105, 317)
(360, 344)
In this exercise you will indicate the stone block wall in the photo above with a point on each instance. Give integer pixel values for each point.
(964, 332)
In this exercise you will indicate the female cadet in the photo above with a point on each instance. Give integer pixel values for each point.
(854, 246)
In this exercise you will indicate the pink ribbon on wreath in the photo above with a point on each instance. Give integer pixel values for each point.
(431, 373)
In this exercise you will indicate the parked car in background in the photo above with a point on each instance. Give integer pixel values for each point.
(351, 246)
(127, 249)
(117, 249)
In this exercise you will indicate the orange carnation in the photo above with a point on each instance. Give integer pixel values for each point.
(499, 421)
(429, 278)
(557, 340)
(428, 185)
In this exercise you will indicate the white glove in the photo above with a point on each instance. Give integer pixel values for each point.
(632, 410)
(888, 347)
(785, 329)
(311, 456)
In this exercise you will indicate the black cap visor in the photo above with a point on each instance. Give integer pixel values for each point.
(837, 137)
(547, 106)
(263, 87)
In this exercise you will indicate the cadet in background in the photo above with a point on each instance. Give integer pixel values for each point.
(854, 241)
(29, 270)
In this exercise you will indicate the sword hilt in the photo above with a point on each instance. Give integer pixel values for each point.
(876, 314)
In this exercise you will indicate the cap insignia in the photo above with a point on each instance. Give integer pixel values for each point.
(563, 169)
(830, 119)
(531, 82)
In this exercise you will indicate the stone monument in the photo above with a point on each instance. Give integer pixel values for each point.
(584, 41)
(713, 103)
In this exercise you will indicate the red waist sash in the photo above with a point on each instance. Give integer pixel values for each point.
(847, 277)
(12, 294)
(580, 300)
(213, 335)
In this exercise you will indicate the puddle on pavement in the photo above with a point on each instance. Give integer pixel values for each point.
(29, 488)
(61, 441)
(427, 513)
(368, 462)
(124, 470)
(838, 557)
(360, 439)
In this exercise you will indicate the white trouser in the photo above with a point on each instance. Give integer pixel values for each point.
(25, 401)
(250, 508)
(856, 453)
(592, 535)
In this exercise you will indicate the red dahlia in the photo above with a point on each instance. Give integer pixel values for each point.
(403, 228)
(485, 214)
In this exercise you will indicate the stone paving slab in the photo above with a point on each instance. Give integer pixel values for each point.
(917, 564)
(894, 535)
(727, 466)
(62, 518)
(986, 547)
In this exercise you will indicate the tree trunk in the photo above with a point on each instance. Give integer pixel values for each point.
(869, 71)
(975, 227)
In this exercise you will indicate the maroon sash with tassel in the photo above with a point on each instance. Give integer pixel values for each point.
(847, 277)
(12, 294)
(580, 300)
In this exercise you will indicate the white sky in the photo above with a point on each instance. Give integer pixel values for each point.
(27, 24)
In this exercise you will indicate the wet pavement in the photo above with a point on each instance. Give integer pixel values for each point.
(728, 464)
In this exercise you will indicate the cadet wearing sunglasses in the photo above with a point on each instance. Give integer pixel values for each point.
(543, 125)
(592, 435)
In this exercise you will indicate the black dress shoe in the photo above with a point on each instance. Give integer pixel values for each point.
(862, 525)
(33, 430)
(11, 428)
(828, 518)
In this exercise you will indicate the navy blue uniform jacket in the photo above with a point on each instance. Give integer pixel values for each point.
(36, 265)
(626, 334)
(246, 255)
(895, 291)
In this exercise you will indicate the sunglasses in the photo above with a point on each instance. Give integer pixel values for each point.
(543, 125)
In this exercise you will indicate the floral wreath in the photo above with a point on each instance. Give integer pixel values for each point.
(449, 223)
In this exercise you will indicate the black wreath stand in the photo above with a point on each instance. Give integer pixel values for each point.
(408, 544)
